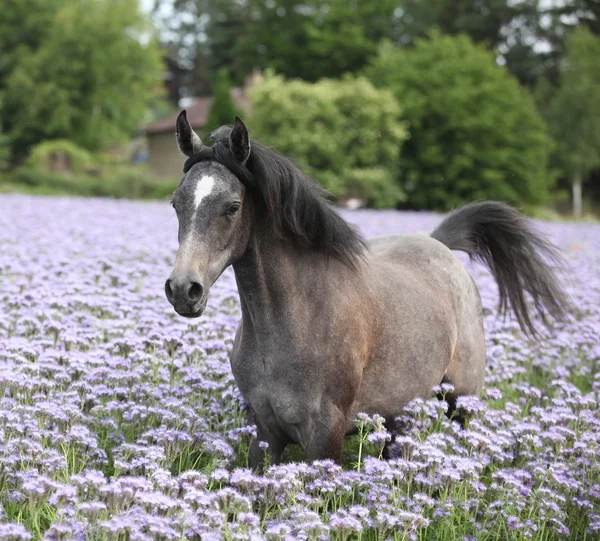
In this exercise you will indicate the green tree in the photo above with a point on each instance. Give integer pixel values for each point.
(475, 132)
(482, 21)
(574, 112)
(503, 26)
(23, 27)
(528, 35)
(222, 109)
(345, 133)
(310, 39)
(89, 78)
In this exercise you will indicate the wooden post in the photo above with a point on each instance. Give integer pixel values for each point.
(577, 198)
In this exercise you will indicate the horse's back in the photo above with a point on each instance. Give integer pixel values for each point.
(411, 250)
(425, 296)
(422, 256)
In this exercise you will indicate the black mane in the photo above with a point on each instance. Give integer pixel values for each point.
(295, 204)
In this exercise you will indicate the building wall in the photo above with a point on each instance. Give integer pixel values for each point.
(164, 158)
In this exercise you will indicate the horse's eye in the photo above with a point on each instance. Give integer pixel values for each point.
(233, 209)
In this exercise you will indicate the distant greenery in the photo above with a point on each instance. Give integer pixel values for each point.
(73, 69)
(475, 132)
(345, 133)
(222, 109)
(4, 147)
(573, 112)
(42, 155)
(512, 29)
(90, 73)
(122, 182)
(312, 39)
(315, 39)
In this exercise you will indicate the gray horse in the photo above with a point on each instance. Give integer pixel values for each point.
(332, 324)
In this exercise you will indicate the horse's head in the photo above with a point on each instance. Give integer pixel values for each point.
(214, 215)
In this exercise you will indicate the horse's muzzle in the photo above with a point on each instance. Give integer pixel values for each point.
(186, 295)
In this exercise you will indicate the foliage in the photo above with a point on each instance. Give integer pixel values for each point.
(317, 39)
(339, 131)
(375, 185)
(310, 39)
(475, 133)
(4, 147)
(222, 109)
(121, 182)
(88, 78)
(483, 21)
(41, 155)
(574, 112)
(24, 26)
(503, 26)
(536, 40)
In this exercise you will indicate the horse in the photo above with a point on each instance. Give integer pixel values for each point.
(333, 324)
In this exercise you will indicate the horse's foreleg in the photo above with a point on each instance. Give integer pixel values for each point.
(266, 447)
(322, 435)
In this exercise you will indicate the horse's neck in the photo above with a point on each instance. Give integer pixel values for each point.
(271, 276)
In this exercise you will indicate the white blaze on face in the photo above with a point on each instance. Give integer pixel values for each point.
(204, 188)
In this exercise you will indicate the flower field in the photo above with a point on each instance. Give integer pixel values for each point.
(120, 420)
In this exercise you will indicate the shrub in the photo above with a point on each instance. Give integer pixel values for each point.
(374, 185)
(43, 154)
(345, 133)
(222, 109)
(475, 132)
(126, 182)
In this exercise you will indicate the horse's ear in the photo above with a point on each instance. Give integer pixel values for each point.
(239, 141)
(188, 141)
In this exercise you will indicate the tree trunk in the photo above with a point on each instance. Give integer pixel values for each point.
(577, 200)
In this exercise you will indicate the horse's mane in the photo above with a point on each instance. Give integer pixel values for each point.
(294, 204)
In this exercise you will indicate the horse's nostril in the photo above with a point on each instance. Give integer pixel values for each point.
(168, 290)
(195, 292)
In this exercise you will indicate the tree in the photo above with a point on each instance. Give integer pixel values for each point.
(528, 35)
(483, 21)
(330, 37)
(475, 132)
(201, 36)
(222, 109)
(89, 78)
(574, 112)
(309, 39)
(23, 26)
(345, 133)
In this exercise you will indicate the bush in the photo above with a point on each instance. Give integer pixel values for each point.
(376, 186)
(222, 109)
(43, 154)
(120, 182)
(475, 132)
(345, 133)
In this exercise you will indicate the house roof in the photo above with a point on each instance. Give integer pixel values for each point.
(197, 113)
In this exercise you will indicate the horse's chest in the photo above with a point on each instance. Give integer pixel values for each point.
(277, 393)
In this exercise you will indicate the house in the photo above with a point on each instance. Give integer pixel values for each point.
(164, 159)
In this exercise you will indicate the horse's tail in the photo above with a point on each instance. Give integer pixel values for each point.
(499, 236)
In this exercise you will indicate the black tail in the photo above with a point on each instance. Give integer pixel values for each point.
(499, 236)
